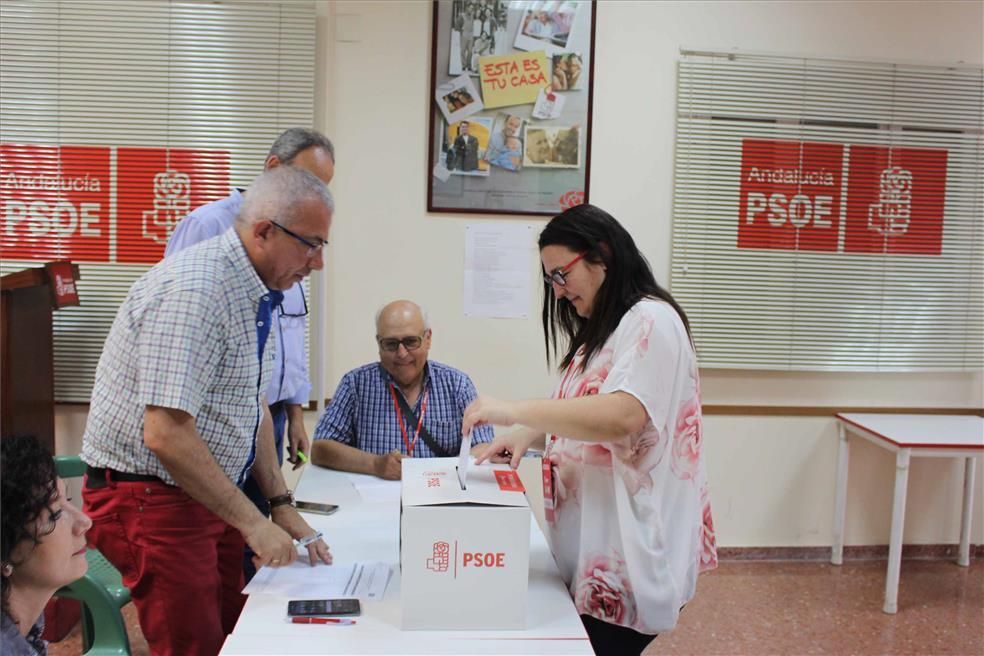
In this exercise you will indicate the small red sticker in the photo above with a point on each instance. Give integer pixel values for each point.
(508, 481)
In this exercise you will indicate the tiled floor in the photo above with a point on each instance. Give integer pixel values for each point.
(764, 608)
(816, 608)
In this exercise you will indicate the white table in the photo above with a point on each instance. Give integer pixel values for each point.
(369, 530)
(908, 436)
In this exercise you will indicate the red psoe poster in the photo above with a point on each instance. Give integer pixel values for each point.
(895, 200)
(790, 195)
(54, 202)
(157, 188)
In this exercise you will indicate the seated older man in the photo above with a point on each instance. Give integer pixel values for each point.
(402, 406)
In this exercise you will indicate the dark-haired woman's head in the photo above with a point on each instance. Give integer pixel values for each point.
(593, 274)
(43, 538)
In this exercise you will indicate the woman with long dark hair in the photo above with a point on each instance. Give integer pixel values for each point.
(625, 491)
(43, 542)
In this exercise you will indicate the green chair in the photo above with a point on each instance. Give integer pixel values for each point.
(101, 590)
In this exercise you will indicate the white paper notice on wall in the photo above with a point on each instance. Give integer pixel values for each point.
(497, 270)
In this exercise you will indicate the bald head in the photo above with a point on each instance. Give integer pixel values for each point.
(401, 311)
(403, 324)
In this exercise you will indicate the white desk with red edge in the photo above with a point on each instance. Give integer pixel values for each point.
(369, 530)
(908, 436)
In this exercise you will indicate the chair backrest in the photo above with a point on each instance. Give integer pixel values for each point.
(69, 466)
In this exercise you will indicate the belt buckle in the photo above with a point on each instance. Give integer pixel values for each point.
(95, 483)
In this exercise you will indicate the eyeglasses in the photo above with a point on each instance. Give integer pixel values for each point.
(294, 315)
(411, 343)
(313, 247)
(559, 276)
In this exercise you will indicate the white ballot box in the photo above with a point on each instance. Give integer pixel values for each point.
(464, 546)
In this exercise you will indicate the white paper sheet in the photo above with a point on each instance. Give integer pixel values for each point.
(301, 581)
(497, 270)
(376, 490)
(548, 105)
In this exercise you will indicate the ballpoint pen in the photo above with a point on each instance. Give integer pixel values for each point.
(320, 620)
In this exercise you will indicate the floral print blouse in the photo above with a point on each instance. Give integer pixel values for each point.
(629, 520)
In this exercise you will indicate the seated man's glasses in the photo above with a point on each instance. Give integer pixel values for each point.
(313, 247)
(411, 343)
(559, 276)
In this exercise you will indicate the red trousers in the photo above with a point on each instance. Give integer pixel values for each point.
(182, 563)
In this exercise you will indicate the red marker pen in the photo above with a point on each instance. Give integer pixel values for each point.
(320, 620)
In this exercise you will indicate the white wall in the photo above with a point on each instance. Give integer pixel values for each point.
(771, 476)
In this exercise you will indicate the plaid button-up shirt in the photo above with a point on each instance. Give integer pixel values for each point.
(362, 412)
(184, 338)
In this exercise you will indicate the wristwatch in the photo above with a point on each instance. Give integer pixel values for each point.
(281, 500)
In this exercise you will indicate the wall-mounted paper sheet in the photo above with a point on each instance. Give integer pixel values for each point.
(497, 270)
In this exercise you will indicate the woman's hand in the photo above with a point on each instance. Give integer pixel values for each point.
(487, 410)
(508, 448)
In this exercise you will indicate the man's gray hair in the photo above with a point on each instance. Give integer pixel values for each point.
(278, 193)
(423, 315)
(293, 141)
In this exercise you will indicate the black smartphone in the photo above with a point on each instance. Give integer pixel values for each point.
(313, 507)
(323, 607)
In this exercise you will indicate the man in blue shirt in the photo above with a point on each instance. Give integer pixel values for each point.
(290, 387)
(402, 406)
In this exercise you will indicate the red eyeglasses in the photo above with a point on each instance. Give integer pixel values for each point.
(559, 276)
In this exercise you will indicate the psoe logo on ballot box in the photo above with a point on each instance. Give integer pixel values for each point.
(790, 196)
(441, 558)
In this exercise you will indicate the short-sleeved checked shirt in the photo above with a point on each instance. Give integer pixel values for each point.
(362, 413)
(184, 338)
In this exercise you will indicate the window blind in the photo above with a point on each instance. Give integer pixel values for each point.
(828, 214)
(116, 119)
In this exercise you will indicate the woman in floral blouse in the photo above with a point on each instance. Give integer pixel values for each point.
(625, 490)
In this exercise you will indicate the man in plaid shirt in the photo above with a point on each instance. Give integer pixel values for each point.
(402, 406)
(179, 418)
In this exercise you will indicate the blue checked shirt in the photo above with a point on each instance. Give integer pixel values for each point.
(186, 337)
(291, 381)
(361, 413)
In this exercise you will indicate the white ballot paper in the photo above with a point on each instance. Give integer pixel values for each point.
(377, 490)
(301, 581)
(464, 459)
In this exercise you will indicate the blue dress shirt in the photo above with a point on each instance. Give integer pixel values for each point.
(362, 413)
(291, 381)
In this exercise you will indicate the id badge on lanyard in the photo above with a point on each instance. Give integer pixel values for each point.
(548, 486)
(549, 507)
